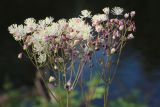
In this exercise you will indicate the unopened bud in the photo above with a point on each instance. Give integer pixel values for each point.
(126, 15)
(24, 47)
(20, 56)
(132, 13)
(130, 36)
(55, 67)
(68, 86)
(113, 50)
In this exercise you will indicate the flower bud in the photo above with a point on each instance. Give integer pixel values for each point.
(20, 56)
(55, 67)
(68, 85)
(132, 13)
(113, 50)
(130, 36)
(126, 15)
(106, 10)
(24, 47)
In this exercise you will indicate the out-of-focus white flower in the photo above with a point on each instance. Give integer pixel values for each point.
(99, 18)
(30, 25)
(30, 21)
(126, 15)
(113, 50)
(13, 28)
(18, 31)
(62, 25)
(42, 58)
(51, 79)
(132, 13)
(20, 56)
(117, 11)
(85, 14)
(130, 36)
(106, 10)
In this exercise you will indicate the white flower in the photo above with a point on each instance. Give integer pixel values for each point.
(106, 10)
(41, 24)
(30, 25)
(130, 36)
(49, 20)
(52, 30)
(44, 23)
(80, 29)
(117, 11)
(99, 18)
(42, 58)
(132, 13)
(30, 21)
(85, 14)
(62, 25)
(18, 31)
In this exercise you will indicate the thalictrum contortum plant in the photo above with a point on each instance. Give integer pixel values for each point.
(60, 45)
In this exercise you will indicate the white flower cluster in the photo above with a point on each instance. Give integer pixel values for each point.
(46, 35)
(79, 28)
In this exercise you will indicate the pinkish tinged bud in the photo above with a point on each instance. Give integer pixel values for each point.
(24, 47)
(113, 37)
(111, 20)
(132, 13)
(120, 23)
(126, 15)
(20, 56)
